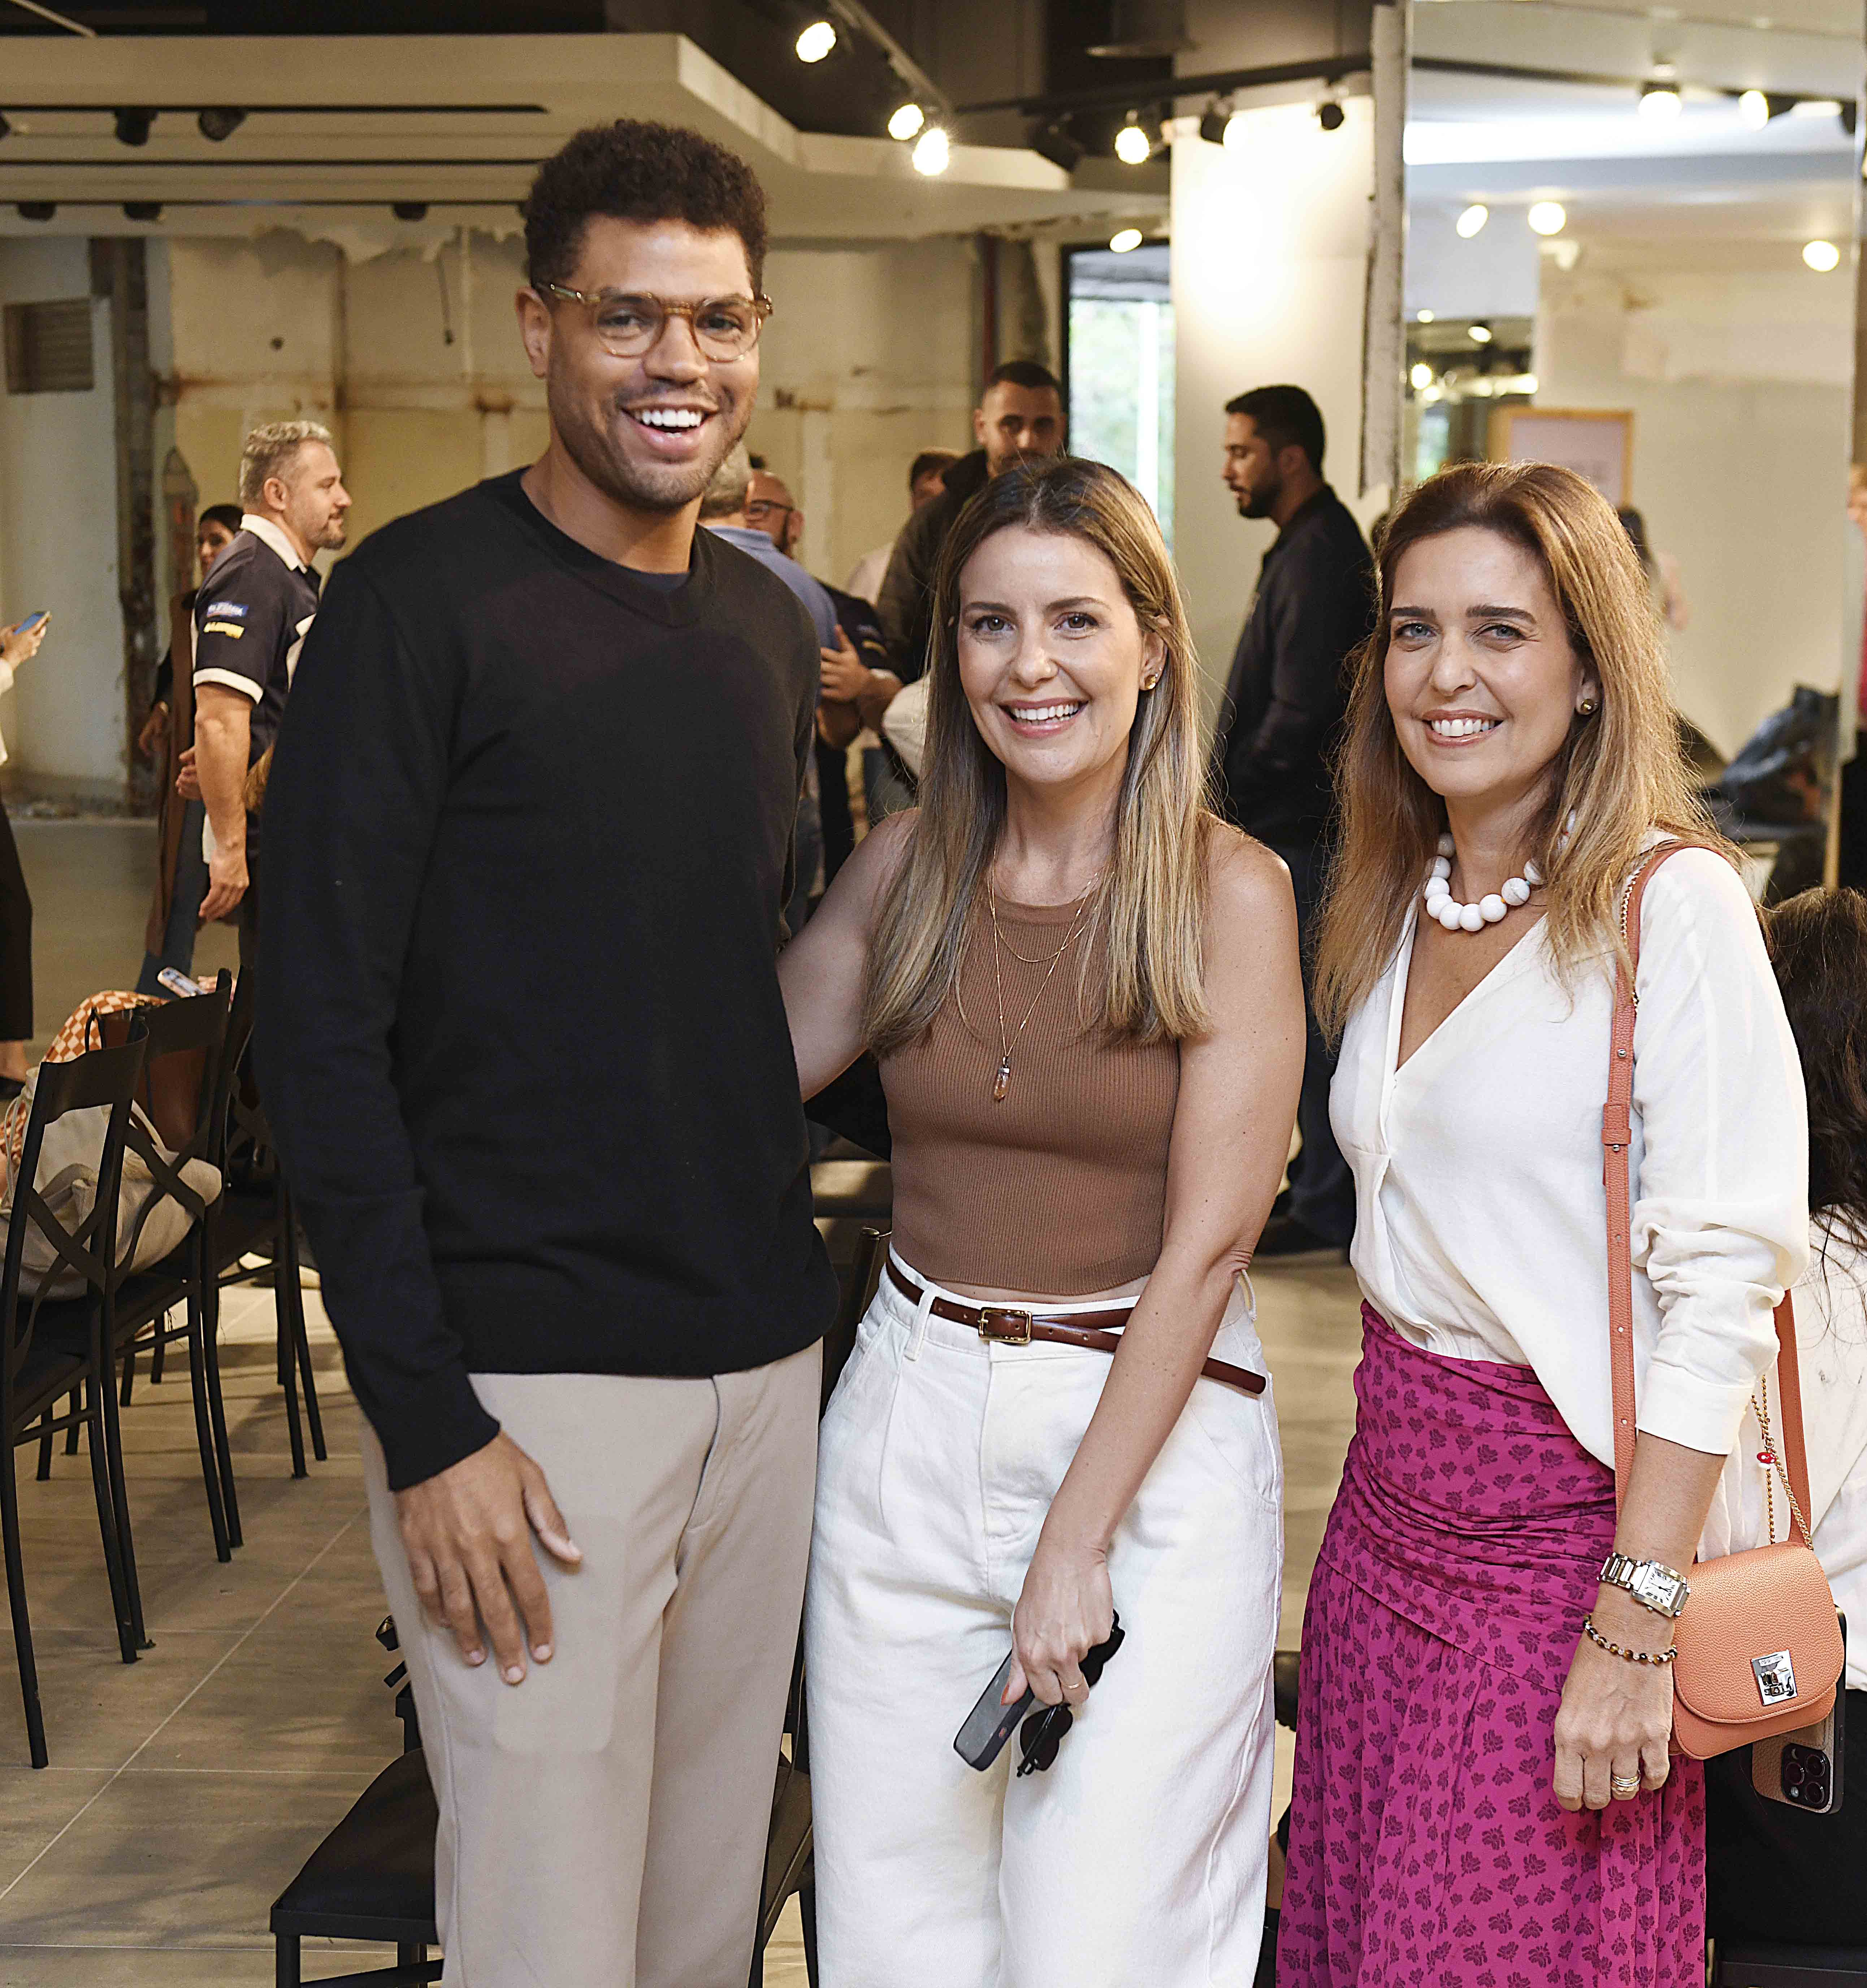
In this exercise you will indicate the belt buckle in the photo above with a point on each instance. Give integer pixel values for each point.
(1005, 1325)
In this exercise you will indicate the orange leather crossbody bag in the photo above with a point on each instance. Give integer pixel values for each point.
(1760, 1648)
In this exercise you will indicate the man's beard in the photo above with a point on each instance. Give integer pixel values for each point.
(652, 486)
(1261, 503)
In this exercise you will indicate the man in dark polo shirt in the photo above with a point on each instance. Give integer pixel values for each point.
(522, 1041)
(251, 617)
(1284, 701)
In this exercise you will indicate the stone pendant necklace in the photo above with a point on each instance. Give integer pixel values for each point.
(1002, 1082)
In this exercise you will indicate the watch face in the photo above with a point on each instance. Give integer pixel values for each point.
(1656, 1587)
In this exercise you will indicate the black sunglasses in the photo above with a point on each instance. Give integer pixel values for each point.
(1042, 1733)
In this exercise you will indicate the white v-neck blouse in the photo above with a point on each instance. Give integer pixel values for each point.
(1481, 1227)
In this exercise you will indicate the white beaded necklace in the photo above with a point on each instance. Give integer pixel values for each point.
(1455, 917)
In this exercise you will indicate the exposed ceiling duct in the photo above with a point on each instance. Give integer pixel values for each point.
(1144, 27)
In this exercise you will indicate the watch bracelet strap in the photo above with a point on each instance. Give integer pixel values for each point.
(1617, 1117)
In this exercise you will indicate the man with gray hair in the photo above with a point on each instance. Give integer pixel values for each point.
(250, 619)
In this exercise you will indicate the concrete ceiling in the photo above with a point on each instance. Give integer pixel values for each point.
(1704, 186)
(345, 127)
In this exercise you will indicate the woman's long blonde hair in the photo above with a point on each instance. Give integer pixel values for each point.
(1620, 773)
(1151, 902)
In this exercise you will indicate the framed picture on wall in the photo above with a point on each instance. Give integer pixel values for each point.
(1595, 442)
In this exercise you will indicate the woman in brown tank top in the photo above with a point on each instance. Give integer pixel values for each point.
(1084, 994)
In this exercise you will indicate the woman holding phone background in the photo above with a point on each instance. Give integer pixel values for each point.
(1083, 993)
(18, 645)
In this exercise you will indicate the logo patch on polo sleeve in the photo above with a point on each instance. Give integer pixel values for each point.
(233, 607)
(231, 628)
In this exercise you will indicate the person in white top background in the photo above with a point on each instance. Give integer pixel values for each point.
(1482, 1789)
(18, 645)
(1771, 1872)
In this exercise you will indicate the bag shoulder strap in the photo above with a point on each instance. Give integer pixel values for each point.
(1616, 1132)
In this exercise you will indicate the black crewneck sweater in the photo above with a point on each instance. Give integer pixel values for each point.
(520, 1035)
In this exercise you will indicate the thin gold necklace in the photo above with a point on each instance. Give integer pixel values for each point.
(1001, 1083)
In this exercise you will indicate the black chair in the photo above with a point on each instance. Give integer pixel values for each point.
(1763, 1964)
(255, 1217)
(35, 1377)
(373, 1877)
(183, 1075)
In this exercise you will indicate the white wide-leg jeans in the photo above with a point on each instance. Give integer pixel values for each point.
(1138, 1860)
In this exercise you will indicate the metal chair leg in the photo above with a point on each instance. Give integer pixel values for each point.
(129, 1371)
(217, 1399)
(22, 1625)
(106, 1525)
(44, 1471)
(204, 1432)
(313, 1419)
(119, 1501)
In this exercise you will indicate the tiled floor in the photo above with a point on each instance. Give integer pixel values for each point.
(185, 1790)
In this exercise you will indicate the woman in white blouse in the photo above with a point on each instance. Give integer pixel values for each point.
(1773, 1872)
(1483, 1792)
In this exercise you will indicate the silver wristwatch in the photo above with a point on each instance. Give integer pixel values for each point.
(1660, 1588)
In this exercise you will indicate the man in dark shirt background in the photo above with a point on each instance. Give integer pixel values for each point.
(522, 1041)
(1284, 701)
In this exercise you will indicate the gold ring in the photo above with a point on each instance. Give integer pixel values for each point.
(1623, 1786)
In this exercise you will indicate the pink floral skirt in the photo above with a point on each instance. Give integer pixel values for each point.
(1427, 1849)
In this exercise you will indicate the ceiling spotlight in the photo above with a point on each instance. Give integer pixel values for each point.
(1753, 110)
(1212, 122)
(1479, 334)
(1472, 220)
(1547, 217)
(1424, 317)
(219, 125)
(409, 210)
(932, 151)
(1055, 142)
(1421, 376)
(142, 210)
(1821, 256)
(1123, 239)
(1330, 115)
(816, 41)
(1816, 106)
(36, 210)
(1660, 102)
(906, 122)
(132, 127)
(1131, 142)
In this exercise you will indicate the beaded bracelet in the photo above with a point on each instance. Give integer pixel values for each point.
(1595, 1637)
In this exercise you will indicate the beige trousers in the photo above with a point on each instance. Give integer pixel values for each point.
(603, 1824)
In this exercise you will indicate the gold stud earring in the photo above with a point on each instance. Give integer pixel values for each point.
(1148, 683)
(1586, 708)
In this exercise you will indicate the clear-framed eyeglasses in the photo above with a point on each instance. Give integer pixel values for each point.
(629, 323)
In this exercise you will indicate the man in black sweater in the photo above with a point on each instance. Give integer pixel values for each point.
(1284, 701)
(522, 1042)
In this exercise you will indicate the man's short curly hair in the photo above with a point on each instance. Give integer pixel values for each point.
(639, 171)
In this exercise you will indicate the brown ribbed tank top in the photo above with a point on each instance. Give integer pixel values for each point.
(1060, 1189)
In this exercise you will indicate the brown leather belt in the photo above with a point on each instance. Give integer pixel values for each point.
(1012, 1325)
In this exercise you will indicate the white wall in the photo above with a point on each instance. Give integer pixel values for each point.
(58, 542)
(1269, 266)
(1738, 381)
(867, 359)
